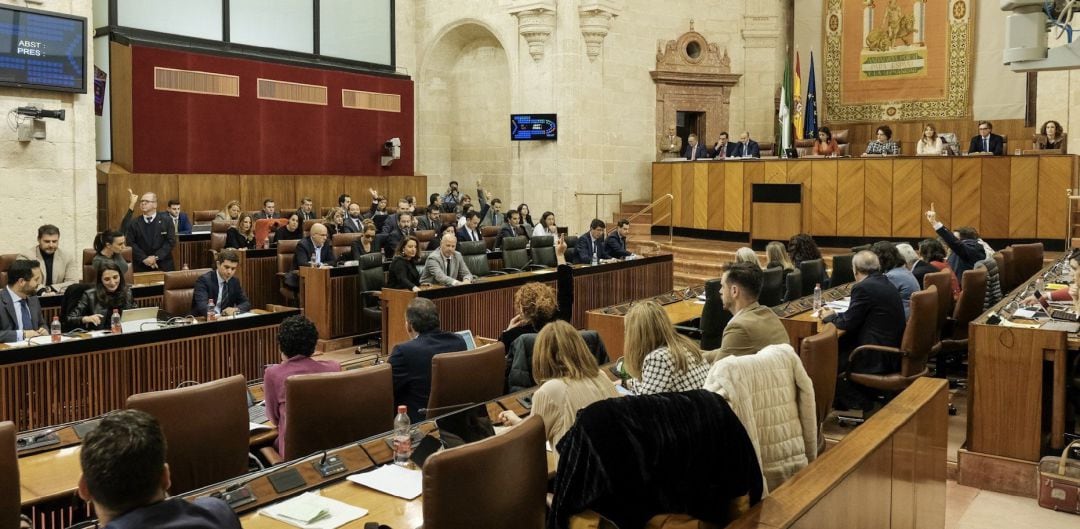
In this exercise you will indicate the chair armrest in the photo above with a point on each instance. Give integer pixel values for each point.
(878, 348)
(271, 455)
(377, 294)
(494, 273)
(536, 267)
(508, 270)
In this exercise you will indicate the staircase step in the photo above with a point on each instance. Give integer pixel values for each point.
(634, 207)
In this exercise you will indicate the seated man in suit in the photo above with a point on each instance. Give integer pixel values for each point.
(446, 266)
(722, 148)
(694, 150)
(512, 228)
(125, 476)
(471, 230)
(179, 219)
(151, 238)
(315, 249)
(306, 211)
(490, 208)
(965, 250)
(411, 361)
(402, 228)
(746, 148)
(616, 242)
(269, 210)
(58, 268)
(222, 286)
(591, 243)
(432, 220)
(875, 316)
(986, 142)
(753, 326)
(391, 222)
(354, 219)
(20, 316)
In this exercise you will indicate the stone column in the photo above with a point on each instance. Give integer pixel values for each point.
(761, 77)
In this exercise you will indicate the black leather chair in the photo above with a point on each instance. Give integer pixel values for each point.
(571, 249)
(9, 476)
(842, 273)
(71, 298)
(772, 287)
(475, 255)
(515, 256)
(813, 273)
(714, 317)
(793, 285)
(371, 283)
(542, 248)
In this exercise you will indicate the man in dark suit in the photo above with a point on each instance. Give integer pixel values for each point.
(314, 249)
(616, 242)
(269, 211)
(986, 142)
(432, 220)
(722, 148)
(179, 219)
(125, 476)
(471, 230)
(391, 223)
(411, 361)
(694, 150)
(592, 242)
(354, 219)
(306, 211)
(403, 228)
(490, 207)
(151, 238)
(512, 228)
(746, 148)
(966, 251)
(222, 286)
(20, 315)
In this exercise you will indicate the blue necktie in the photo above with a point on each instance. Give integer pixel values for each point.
(27, 321)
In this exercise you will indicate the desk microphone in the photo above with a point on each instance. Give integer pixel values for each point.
(446, 409)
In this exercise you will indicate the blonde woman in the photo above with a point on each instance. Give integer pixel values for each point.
(657, 358)
(777, 256)
(747, 255)
(570, 380)
(231, 211)
(334, 221)
(930, 143)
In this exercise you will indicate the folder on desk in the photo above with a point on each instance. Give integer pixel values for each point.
(312, 511)
(393, 480)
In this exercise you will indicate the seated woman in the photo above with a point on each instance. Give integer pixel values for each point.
(883, 145)
(526, 218)
(94, 309)
(297, 337)
(657, 358)
(1051, 136)
(930, 143)
(546, 226)
(537, 304)
(293, 231)
(366, 243)
(747, 255)
(231, 211)
(825, 145)
(403, 272)
(570, 380)
(334, 222)
(801, 248)
(778, 257)
(893, 266)
(933, 253)
(1064, 294)
(447, 229)
(109, 246)
(241, 236)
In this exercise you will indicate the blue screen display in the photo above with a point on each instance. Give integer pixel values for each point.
(42, 50)
(525, 127)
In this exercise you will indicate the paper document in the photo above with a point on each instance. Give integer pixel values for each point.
(1028, 314)
(252, 426)
(311, 511)
(393, 480)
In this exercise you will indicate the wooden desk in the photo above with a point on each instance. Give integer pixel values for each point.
(194, 251)
(144, 296)
(331, 300)
(257, 272)
(486, 307)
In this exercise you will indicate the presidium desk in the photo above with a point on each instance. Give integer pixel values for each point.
(1006, 198)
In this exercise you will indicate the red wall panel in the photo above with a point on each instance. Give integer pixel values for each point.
(176, 132)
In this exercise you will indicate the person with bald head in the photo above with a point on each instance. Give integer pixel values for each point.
(315, 249)
(446, 266)
(746, 148)
(150, 237)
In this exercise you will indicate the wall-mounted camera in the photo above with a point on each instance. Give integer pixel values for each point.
(391, 151)
(28, 121)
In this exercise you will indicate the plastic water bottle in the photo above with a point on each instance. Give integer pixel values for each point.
(817, 297)
(402, 437)
(1039, 284)
(595, 259)
(114, 322)
(211, 312)
(54, 329)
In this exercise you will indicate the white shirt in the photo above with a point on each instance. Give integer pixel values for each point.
(539, 231)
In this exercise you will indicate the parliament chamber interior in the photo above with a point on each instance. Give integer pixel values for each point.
(792, 264)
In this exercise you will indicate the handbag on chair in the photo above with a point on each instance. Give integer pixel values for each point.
(1059, 482)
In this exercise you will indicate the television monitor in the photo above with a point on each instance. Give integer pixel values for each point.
(39, 49)
(527, 127)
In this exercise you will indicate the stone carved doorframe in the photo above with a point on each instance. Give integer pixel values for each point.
(693, 75)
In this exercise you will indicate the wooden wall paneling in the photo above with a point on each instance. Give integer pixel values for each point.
(753, 173)
(661, 185)
(119, 84)
(686, 216)
(683, 200)
(936, 189)
(701, 195)
(994, 223)
(967, 181)
(801, 172)
(164, 185)
(733, 196)
(1055, 177)
(1023, 196)
(323, 190)
(776, 172)
(862, 499)
(823, 221)
(879, 208)
(909, 132)
(904, 443)
(256, 188)
(207, 191)
(931, 448)
(716, 196)
(851, 197)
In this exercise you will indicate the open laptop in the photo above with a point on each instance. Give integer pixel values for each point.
(131, 320)
(466, 426)
(470, 342)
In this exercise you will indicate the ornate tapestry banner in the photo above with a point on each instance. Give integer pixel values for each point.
(898, 59)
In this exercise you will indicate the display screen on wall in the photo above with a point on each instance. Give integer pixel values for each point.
(527, 127)
(43, 50)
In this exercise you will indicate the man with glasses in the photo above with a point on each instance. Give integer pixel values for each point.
(151, 238)
(986, 142)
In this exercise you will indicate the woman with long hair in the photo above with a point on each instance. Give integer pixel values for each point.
(241, 236)
(231, 211)
(1051, 136)
(292, 231)
(657, 358)
(403, 272)
(930, 143)
(747, 255)
(777, 256)
(801, 248)
(334, 222)
(546, 226)
(110, 292)
(825, 145)
(526, 218)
